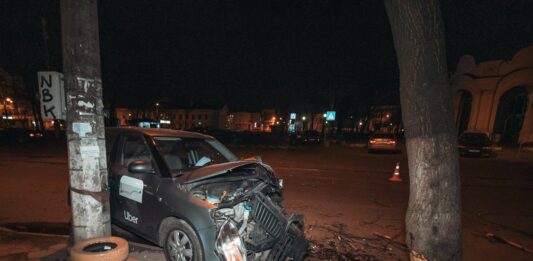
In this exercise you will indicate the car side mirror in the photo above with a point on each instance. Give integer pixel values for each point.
(140, 166)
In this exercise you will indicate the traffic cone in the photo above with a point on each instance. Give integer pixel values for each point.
(396, 173)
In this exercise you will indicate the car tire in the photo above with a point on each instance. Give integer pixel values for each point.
(102, 248)
(180, 241)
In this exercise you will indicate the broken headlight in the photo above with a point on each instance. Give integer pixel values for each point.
(229, 245)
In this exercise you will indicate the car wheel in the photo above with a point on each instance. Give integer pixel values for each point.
(181, 242)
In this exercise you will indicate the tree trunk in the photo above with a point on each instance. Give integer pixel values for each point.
(85, 121)
(433, 218)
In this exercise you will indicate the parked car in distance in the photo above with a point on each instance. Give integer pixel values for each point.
(475, 144)
(310, 137)
(383, 142)
(189, 194)
(305, 137)
(19, 135)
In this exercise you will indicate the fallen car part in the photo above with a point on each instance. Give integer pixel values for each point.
(229, 244)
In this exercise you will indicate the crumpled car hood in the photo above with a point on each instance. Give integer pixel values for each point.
(213, 171)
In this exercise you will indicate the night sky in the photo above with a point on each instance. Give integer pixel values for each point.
(287, 55)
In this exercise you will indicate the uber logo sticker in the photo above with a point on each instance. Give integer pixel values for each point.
(129, 217)
(131, 188)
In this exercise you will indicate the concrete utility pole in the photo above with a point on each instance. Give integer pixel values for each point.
(85, 121)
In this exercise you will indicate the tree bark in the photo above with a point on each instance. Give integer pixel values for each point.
(433, 218)
(85, 121)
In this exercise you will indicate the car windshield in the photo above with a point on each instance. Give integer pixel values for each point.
(184, 153)
(474, 138)
(311, 133)
(383, 136)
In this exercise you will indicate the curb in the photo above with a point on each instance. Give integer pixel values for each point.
(56, 252)
(35, 246)
(4, 229)
(357, 145)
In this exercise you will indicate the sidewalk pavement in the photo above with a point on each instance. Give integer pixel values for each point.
(513, 154)
(16, 245)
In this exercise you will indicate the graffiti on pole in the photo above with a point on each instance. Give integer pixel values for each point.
(52, 95)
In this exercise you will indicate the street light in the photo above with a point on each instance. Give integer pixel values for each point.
(157, 110)
(6, 100)
(303, 118)
(325, 115)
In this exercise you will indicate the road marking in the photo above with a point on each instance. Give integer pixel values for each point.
(299, 169)
(332, 170)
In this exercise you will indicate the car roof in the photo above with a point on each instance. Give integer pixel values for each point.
(159, 132)
(474, 133)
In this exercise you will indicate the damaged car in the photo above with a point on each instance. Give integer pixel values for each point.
(187, 193)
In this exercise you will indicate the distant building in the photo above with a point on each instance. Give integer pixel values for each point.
(495, 97)
(178, 118)
(201, 118)
(15, 109)
(244, 121)
(196, 118)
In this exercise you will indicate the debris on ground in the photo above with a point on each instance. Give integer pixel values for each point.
(500, 239)
(340, 245)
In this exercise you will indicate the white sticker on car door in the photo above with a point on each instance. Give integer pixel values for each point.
(131, 188)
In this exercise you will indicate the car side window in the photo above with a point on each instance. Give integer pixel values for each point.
(134, 148)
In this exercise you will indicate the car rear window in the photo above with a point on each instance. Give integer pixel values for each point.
(475, 137)
(383, 136)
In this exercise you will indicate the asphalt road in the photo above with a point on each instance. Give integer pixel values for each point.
(344, 193)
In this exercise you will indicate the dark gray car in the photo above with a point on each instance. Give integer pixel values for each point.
(189, 194)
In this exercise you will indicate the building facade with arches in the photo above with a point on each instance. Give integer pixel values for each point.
(495, 97)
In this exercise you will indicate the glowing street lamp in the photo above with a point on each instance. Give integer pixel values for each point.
(324, 115)
(303, 118)
(6, 100)
(157, 110)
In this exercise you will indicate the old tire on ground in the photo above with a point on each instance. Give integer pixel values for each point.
(102, 248)
(180, 241)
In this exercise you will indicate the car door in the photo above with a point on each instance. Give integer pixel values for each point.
(134, 197)
(112, 151)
